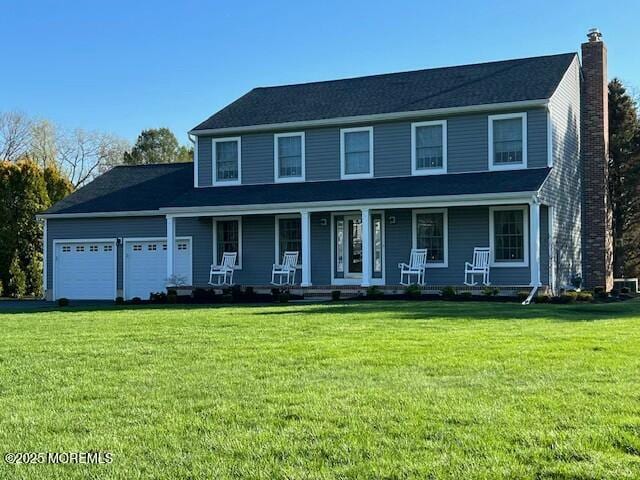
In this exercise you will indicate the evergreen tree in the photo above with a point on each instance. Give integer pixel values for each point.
(157, 145)
(624, 179)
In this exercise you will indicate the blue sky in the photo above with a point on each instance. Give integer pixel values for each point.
(124, 66)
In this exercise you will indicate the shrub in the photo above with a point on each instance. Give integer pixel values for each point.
(172, 298)
(523, 295)
(465, 295)
(119, 301)
(1, 288)
(600, 292)
(585, 297)
(625, 290)
(374, 292)
(284, 297)
(490, 291)
(158, 297)
(576, 281)
(448, 293)
(414, 292)
(542, 298)
(63, 302)
(335, 295)
(172, 291)
(236, 293)
(201, 295)
(569, 297)
(136, 300)
(17, 285)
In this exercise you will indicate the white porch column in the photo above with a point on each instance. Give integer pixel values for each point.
(305, 224)
(534, 242)
(366, 247)
(171, 241)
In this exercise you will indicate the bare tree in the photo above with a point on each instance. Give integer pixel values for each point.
(83, 155)
(43, 148)
(15, 133)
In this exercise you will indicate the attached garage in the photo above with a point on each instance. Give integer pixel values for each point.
(145, 265)
(85, 270)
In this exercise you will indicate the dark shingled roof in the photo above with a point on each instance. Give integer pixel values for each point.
(479, 84)
(525, 180)
(152, 187)
(129, 188)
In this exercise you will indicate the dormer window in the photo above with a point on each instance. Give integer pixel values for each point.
(508, 141)
(429, 147)
(289, 157)
(356, 152)
(226, 161)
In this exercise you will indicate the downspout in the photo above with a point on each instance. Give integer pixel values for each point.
(534, 290)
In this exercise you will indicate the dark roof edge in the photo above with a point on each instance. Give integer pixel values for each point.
(541, 102)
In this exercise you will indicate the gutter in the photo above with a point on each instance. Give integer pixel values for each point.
(379, 117)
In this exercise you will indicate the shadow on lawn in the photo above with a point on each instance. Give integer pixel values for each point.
(398, 310)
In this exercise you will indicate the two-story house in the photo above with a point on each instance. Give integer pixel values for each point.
(353, 174)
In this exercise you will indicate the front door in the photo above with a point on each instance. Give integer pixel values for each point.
(353, 246)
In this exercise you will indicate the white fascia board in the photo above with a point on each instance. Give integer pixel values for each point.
(380, 117)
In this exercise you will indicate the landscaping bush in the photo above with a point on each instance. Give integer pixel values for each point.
(335, 295)
(625, 290)
(158, 297)
(542, 298)
(172, 291)
(201, 295)
(172, 298)
(284, 297)
(374, 292)
(600, 293)
(576, 282)
(522, 295)
(585, 297)
(465, 296)
(63, 302)
(119, 301)
(136, 300)
(413, 292)
(448, 293)
(490, 291)
(569, 297)
(236, 294)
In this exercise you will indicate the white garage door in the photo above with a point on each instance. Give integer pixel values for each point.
(145, 269)
(85, 270)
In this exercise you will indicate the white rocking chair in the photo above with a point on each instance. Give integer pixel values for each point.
(286, 269)
(224, 271)
(480, 266)
(417, 266)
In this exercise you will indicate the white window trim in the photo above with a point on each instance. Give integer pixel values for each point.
(215, 240)
(276, 159)
(445, 227)
(214, 160)
(507, 116)
(414, 159)
(347, 176)
(525, 233)
(277, 256)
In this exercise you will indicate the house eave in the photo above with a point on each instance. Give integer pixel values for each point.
(359, 119)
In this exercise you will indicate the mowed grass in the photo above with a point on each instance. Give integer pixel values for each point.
(347, 390)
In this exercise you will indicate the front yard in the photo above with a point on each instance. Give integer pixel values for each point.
(347, 390)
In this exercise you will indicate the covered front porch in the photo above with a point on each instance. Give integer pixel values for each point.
(354, 245)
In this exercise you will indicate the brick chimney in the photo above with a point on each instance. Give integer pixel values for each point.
(597, 246)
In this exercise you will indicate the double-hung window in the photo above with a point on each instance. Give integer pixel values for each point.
(429, 147)
(227, 238)
(509, 236)
(226, 161)
(430, 231)
(356, 152)
(289, 157)
(508, 141)
(288, 237)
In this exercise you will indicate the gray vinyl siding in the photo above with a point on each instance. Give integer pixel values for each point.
(257, 158)
(392, 149)
(468, 228)
(204, 161)
(544, 245)
(467, 146)
(258, 250)
(321, 249)
(199, 229)
(563, 188)
(322, 154)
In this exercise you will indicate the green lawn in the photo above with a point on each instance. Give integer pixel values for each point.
(353, 390)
